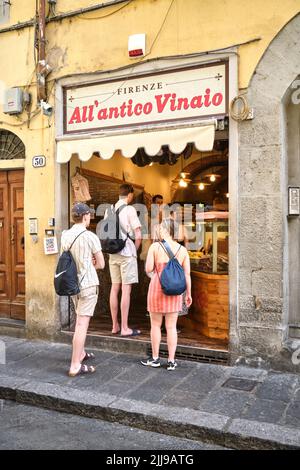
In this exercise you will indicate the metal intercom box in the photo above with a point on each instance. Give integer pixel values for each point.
(13, 101)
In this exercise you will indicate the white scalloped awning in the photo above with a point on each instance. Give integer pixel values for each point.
(128, 144)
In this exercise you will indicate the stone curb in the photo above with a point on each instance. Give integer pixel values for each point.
(185, 423)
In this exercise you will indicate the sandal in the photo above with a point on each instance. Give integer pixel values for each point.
(88, 356)
(135, 332)
(84, 369)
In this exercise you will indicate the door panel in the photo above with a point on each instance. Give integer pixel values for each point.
(13, 305)
(16, 185)
(5, 258)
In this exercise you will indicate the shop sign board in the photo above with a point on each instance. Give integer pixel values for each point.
(178, 95)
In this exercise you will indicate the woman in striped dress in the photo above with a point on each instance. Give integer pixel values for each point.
(159, 304)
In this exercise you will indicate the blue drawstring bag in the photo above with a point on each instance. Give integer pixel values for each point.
(172, 278)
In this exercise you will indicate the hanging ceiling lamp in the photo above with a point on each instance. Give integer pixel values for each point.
(183, 183)
(213, 177)
(201, 185)
(183, 180)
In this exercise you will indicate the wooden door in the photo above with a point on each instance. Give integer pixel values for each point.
(5, 261)
(12, 261)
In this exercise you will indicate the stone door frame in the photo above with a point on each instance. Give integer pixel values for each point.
(263, 264)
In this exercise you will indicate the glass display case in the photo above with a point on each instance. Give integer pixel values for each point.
(210, 255)
(209, 313)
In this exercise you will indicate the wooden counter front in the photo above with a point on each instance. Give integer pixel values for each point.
(210, 310)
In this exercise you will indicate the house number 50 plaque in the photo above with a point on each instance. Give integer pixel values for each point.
(38, 161)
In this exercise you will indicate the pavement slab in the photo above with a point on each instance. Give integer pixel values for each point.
(236, 407)
(264, 410)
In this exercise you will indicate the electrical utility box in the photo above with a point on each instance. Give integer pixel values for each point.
(13, 101)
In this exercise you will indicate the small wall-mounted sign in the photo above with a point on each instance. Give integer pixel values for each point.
(294, 200)
(49, 232)
(38, 161)
(33, 226)
(50, 245)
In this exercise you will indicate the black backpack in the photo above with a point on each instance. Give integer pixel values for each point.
(66, 276)
(109, 232)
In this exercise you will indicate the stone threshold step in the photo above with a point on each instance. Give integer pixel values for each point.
(143, 347)
(180, 422)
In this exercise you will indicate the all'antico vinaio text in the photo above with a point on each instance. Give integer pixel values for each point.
(169, 102)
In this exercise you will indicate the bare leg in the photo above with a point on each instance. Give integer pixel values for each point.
(171, 321)
(82, 324)
(114, 307)
(155, 333)
(125, 304)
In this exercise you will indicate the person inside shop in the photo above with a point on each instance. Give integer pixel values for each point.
(160, 305)
(219, 203)
(158, 199)
(86, 250)
(123, 266)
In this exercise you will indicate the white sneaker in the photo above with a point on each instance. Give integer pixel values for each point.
(171, 365)
(151, 362)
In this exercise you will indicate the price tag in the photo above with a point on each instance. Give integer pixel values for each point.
(38, 161)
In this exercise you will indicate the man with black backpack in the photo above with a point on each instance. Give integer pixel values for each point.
(85, 249)
(123, 263)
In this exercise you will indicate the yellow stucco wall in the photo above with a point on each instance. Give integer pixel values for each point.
(98, 42)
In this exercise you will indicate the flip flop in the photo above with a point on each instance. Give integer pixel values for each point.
(116, 333)
(135, 332)
(88, 356)
(84, 369)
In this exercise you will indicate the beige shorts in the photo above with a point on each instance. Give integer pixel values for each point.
(123, 269)
(86, 301)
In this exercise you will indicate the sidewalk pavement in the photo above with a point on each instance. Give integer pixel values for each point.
(236, 407)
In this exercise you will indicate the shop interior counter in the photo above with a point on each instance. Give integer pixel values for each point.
(209, 272)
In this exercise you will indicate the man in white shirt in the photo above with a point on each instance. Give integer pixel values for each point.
(123, 266)
(86, 250)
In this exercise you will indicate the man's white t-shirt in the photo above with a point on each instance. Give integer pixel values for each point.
(82, 251)
(130, 222)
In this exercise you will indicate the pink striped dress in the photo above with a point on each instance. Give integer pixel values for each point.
(158, 302)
